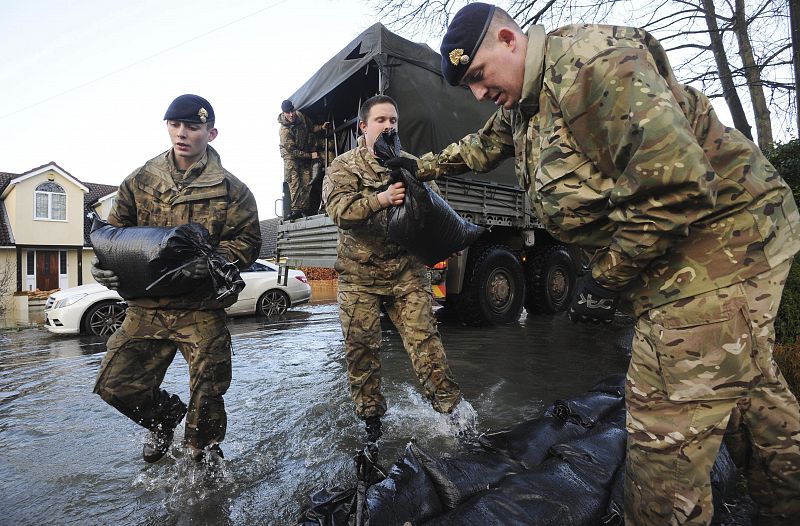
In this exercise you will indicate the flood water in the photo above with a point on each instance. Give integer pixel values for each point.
(68, 458)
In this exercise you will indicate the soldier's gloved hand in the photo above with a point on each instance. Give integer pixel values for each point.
(593, 303)
(197, 269)
(107, 278)
(402, 162)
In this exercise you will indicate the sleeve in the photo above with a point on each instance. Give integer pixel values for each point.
(479, 152)
(241, 238)
(346, 204)
(288, 146)
(123, 212)
(626, 119)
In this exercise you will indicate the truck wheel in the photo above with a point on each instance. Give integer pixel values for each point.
(550, 280)
(494, 287)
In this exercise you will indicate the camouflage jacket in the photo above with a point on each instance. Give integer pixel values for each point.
(297, 138)
(366, 259)
(157, 194)
(617, 155)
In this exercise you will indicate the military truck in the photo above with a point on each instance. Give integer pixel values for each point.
(515, 264)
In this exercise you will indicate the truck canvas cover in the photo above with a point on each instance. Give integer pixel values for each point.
(432, 113)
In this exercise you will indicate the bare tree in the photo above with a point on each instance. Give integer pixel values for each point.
(7, 282)
(723, 45)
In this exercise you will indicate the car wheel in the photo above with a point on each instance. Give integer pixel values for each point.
(104, 318)
(273, 303)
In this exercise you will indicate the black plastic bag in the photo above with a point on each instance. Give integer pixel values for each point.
(148, 260)
(424, 224)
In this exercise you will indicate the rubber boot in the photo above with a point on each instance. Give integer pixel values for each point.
(158, 442)
(373, 427)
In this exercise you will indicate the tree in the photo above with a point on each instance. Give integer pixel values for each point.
(728, 47)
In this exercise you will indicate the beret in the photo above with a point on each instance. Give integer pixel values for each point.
(463, 38)
(287, 106)
(190, 108)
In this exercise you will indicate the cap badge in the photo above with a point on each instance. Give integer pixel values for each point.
(203, 114)
(457, 57)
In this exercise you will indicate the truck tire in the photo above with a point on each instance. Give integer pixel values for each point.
(494, 289)
(550, 279)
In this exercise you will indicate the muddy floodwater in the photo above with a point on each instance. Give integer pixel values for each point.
(68, 458)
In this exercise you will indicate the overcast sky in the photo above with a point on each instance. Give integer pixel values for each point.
(85, 83)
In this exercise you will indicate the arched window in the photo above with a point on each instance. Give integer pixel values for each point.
(50, 202)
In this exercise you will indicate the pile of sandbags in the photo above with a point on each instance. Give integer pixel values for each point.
(565, 468)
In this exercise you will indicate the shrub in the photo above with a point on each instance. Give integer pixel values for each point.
(786, 159)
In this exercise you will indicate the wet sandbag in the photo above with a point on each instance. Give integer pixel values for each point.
(424, 224)
(530, 441)
(458, 479)
(613, 384)
(407, 494)
(148, 260)
(585, 410)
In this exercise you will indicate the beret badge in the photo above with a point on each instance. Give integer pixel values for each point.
(457, 57)
(203, 114)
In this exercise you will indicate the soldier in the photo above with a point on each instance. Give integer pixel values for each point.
(696, 233)
(299, 140)
(186, 183)
(374, 270)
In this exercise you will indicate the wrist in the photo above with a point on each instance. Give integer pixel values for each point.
(382, 200)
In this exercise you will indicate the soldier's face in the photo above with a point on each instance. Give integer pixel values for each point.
(289, 115)
(497, 70)
(381, 117)
(189, 141)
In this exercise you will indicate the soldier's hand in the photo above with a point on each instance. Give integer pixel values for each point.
(197, 269)
(593, 303)
(326, 125)
(392, 196)
(403, 162)
(107, 278)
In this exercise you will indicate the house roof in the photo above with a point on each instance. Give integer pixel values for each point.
(96, 193)
(38, 170)
(5, 229)
(269, 237)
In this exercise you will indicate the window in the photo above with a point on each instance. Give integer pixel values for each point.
(257, 267)
(31, 262)
(50, 202)
(62, 262)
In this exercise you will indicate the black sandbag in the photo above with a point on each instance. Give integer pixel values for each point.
(585, 410)
(148, 260)
(613, 384)
(407, 494)
(424, 224)
(529, 441)
(458, 479)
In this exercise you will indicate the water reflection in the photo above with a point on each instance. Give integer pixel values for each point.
(67, 457)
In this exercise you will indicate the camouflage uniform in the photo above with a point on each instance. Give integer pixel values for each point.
(697, 231)
(297, 141)
(140, 351)
(372, 270)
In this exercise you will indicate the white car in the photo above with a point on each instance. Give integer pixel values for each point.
(94, 309)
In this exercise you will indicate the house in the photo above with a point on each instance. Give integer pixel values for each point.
(44, 229)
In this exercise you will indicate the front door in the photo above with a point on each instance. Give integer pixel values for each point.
(46, 269)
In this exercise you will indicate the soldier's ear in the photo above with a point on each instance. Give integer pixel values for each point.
(362, 126)
(212, 134)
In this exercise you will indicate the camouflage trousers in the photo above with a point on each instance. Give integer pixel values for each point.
(298, 173)
(412, 314)
(138, 356)
(695, 362)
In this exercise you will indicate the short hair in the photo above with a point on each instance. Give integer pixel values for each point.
(366, 106)
(501, 18)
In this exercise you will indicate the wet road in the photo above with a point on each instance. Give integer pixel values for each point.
(68, 458)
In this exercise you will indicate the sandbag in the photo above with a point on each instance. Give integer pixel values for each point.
(424, 224)
(565, 469)
(148, 260)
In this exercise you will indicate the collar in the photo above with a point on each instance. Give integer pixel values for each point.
(534, 71)
(204, 172)
(370, 159)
